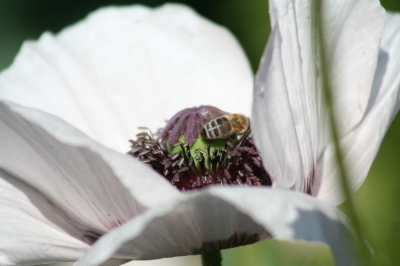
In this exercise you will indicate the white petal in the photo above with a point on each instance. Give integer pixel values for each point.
(362, 144)
(287, 98)
(110, 262)
(95, 188)
(226, 217)
(352, 33)
(31, 232)
(177, 261)
(124, 67)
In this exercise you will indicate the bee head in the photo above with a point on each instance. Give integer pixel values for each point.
(240, 123)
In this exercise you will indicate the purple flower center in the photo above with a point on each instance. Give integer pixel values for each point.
(238, 164)
(187, 168)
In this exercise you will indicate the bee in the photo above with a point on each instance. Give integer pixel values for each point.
(225, 126)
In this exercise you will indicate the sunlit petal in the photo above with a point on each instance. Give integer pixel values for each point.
(31, 231)
(287, 109)
(176, 261)
(361, 145)
(352, 32)
(95, 188)
(124, 67)
(226, 217)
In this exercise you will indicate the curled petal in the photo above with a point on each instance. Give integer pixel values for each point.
(125, 67)
(221, 218)
(177, 261)
(352, 31)
(31, 232)
(94, 188)
(285, 110)
(362, 144)
(291, 128)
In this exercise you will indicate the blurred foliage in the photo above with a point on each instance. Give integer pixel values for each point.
(378, 200)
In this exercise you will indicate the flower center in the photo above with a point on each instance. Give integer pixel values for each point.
(235, 163)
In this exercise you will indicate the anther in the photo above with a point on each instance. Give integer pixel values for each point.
(258, 164)
(136, 149)
(248, 168)
(201, 151)
(184, 169)
(166, 161)
(227, 175)
(175, 179)
(180, 161)
(139, 142)
(157, 152)
(248, 181)
(149, 142)
(173, 157)
(144, 153)
(142, 135)
(177, 144)
(151, 158)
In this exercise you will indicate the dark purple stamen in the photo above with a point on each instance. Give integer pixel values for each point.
(238, 164)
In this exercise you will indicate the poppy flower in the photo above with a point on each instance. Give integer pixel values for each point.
(70, 102)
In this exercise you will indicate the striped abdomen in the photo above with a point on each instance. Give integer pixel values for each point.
(218, 128)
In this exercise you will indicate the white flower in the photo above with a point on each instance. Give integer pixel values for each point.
(70, 102)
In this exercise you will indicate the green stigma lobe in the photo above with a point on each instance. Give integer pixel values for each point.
(199, 148)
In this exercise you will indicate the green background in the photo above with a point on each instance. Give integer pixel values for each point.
(377, 202)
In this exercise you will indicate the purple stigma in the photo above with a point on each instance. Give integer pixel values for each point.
(189, 123)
